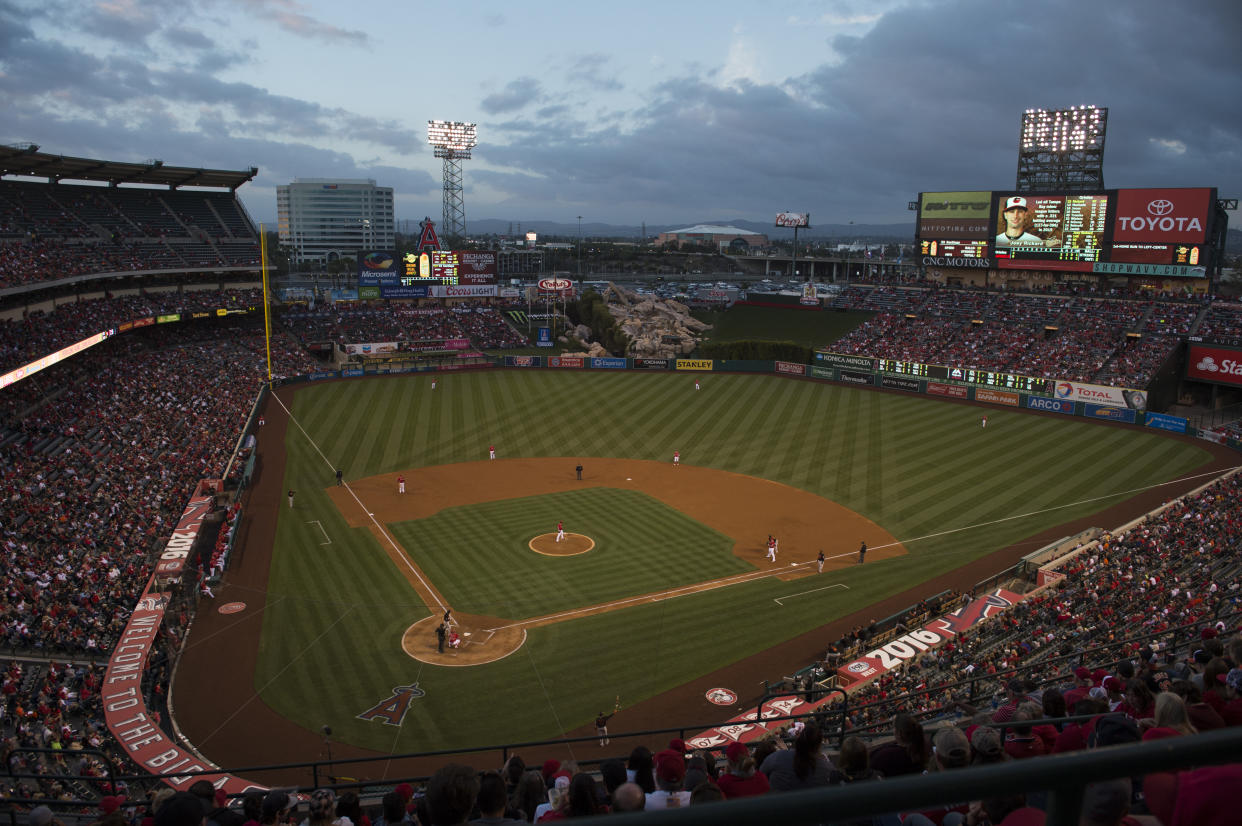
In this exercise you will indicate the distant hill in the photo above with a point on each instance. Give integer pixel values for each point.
(496, 226)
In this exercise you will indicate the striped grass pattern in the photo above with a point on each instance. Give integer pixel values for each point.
(921, 468)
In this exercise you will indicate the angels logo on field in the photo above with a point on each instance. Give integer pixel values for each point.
(391, 711)
(722, 696)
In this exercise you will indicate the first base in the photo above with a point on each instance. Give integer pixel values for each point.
(628, 479)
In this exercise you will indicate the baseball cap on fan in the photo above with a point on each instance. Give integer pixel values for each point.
(1015, 202)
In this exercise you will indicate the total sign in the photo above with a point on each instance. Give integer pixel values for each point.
(1169, 215)
(1214, 364)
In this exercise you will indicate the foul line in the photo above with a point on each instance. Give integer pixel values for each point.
(1143, 489)
(327, 539)
(379, 527)
(812, 591)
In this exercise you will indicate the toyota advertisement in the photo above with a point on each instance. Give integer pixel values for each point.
(1138, 232)
(1219, 365)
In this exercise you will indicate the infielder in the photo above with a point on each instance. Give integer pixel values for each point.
(491, 451)
(819, 562)
(676, 458)
(771, 547)
(400, 484)
(560, 531)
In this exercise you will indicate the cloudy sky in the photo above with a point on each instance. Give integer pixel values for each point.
(664, 112)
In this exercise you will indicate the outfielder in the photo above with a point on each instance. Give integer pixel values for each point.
(560, 531)
(696, 384)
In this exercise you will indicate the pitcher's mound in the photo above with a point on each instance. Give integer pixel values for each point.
(572, 545)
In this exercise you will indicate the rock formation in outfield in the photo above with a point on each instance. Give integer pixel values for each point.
(656, 328)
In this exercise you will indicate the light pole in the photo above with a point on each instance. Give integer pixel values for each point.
(579, 247)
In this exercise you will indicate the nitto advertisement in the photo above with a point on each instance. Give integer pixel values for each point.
(1220, 365)
(963, 215)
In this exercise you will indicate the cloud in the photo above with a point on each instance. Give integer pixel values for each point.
(1174, 147)
(517, 94)
(289, 16)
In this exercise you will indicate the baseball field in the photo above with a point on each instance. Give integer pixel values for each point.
(662, 578)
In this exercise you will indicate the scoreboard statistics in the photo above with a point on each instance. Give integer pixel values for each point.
(986, 378)
(1069, 228)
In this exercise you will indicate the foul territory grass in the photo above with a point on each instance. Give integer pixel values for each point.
(925, 470)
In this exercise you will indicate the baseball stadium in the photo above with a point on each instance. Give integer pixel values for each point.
(284, 538)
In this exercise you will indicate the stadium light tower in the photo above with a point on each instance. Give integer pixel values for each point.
(1062, 149)
(452, 140)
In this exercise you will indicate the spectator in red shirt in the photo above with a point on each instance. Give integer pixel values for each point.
(743, 779)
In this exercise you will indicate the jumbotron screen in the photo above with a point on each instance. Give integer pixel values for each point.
(1159, 232)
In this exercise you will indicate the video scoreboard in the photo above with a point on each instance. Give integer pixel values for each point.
(1145, 232)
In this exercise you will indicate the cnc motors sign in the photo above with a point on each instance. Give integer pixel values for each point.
(1215, 364)
(1169, 215)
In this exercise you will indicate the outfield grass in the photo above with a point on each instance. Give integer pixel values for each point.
(922, 469)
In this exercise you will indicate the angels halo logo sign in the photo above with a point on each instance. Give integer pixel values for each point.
(722, 696)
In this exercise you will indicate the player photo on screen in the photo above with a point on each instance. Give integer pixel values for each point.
(1017, 225)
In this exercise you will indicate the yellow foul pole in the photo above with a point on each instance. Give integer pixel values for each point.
(267, 320)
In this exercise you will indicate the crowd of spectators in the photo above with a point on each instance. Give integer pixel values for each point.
(50, 232)
(485, 327)
(1184, 559)
(1072, 337)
